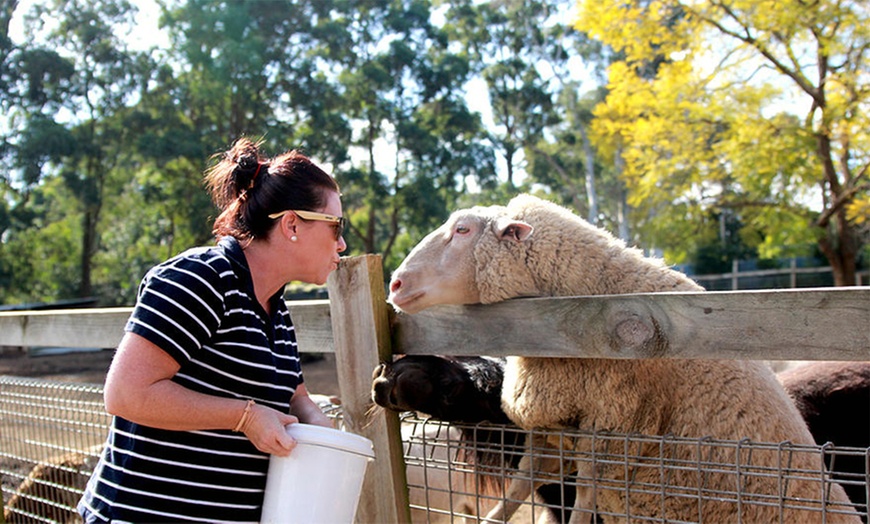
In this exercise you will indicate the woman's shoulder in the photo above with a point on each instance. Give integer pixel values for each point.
(208, 263)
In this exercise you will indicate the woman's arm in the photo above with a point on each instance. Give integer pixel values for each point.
(139, 388)
(306, 410)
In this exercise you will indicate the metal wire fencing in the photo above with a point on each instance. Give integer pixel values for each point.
(493, 473)
(51, 435)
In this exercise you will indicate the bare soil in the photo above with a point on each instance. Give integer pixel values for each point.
(91, 367)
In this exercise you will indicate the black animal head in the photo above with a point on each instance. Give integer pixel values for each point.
(453, 389)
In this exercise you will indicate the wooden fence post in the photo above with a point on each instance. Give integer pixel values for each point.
(361, 333)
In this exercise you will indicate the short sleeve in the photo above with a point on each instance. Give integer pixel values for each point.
(180, 306)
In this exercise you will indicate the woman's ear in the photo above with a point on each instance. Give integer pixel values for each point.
(288, 225)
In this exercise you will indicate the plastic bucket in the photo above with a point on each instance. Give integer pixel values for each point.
(320, 481)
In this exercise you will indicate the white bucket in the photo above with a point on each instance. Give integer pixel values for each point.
(320, 481)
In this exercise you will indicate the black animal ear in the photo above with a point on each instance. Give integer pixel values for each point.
(513, 230)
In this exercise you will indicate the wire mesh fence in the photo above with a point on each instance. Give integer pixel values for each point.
(51, 435)
(477, 473)
(50, 439)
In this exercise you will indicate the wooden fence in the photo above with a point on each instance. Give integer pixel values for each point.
(361, 329)
(790, 277)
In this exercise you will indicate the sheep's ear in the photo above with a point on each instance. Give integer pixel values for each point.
(509, 229)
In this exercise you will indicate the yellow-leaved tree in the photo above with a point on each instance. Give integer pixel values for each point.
(758, 107)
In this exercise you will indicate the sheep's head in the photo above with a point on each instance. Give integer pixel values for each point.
(455, 263)
(531, 247)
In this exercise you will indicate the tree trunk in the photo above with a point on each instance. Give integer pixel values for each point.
(839, 242)
(88, 236)
(840, 247)
(622, 204)
(589, 167)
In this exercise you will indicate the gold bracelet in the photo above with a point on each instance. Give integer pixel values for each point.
(241, 425)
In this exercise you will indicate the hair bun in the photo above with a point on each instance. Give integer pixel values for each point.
(248, 163)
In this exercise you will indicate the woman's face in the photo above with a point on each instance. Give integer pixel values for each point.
(317, 240)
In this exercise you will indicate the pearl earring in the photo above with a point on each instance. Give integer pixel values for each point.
(293, 238)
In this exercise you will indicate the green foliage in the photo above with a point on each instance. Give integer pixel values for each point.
(106, 146)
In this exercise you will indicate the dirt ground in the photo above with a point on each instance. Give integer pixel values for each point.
(91, 367)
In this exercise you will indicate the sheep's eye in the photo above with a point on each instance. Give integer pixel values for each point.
(462, 229)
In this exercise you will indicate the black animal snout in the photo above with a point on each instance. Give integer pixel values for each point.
(382, 387)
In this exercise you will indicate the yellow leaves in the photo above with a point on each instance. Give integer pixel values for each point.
(720, 104)
(662, 128)
(858, 212)
(641, 31)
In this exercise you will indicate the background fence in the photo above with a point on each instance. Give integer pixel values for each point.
(51, 436)
(815, 324)
(794, 276)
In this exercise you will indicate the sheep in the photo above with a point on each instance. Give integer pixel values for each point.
(464, 391)
(834, 399)
(532, 247)
(438, 475)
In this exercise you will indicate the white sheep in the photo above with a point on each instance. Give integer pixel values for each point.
(536, 248)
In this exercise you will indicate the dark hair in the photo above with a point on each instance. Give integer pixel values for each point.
(247, 187)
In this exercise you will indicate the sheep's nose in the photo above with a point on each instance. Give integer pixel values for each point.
(395, 285)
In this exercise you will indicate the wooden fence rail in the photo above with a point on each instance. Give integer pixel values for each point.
(359, 327)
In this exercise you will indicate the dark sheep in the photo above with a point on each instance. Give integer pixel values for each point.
(463, 390)
(452, 389)
(834, 399)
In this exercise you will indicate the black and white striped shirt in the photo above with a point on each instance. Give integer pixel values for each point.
(200, 308)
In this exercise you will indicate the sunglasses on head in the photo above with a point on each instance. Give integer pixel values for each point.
(319, 217)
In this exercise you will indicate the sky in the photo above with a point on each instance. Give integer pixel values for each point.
(144, 35)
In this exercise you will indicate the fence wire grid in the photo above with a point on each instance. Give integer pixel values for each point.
(51, 435)
(460, 473)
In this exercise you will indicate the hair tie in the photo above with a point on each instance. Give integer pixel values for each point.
(254, 177)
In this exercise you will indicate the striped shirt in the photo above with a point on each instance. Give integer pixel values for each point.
(200, 308)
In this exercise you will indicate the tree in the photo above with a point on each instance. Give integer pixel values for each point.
(67, 91)
(758, 106)
(233, 69)
(506, 40)
(401, 84)
(567, 163)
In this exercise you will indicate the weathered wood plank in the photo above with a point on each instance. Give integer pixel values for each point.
(805, 324)
(361, 332)
(96, 328)
(103, 328)
(313, 323)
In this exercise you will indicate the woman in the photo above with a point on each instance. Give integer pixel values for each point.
(207, 374)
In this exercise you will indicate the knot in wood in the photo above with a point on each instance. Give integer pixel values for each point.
(634, 333)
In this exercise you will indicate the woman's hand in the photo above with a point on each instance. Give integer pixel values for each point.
(265, 428)
(308, 412)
